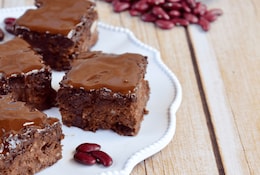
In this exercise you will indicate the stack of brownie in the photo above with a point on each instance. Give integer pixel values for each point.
(99, 90)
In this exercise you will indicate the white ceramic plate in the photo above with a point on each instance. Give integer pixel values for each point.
(158, 126)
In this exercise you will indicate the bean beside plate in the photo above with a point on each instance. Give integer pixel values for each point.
(8, 26)
(90, 154)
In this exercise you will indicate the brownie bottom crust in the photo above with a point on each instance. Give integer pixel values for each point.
(104, 109)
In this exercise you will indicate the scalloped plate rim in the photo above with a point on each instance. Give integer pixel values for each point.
(176, 101)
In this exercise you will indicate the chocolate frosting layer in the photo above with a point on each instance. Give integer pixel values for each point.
(17, 57)
(15, 115)
(119, 73)
(55, 16)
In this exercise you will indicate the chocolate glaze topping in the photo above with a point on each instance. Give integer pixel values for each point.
(15, 115)
(15, 121)
(16, 57)
(55, 16)
(119, 73)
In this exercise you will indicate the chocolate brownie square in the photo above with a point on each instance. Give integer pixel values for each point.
(23, 74)
(29, 140)
(105, 91)
(59, 29)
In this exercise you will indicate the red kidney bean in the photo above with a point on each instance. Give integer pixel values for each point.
(173, 0)
(212, 14)
(102, 158)
(191, 3)
(164, 24)
(84, 158)
(191, 18)
(181, 22)
(210, 17)
(134, 12)
(141, 5)
(148, 17)
(217, 12)
(155, 2)
(172, 6)
(200, 9)
(119, 6)
(9, 24)
(2, 35)
(88, 147)
(205, 25)
(10, 28)
(9, 20)
(160, 13)
(185, 7)
(174, 13)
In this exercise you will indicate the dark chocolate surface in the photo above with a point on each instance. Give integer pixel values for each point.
(55, 16)
(17, 57)
(15, 115)
(119, 73)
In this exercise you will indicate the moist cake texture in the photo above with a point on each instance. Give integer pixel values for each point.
(23, 74)
(29, 140)
(105, 91)
(59, 29)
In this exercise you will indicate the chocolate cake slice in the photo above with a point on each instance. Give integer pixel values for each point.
(29, 140)
(59, 29)
(23, 74)
(105, 91)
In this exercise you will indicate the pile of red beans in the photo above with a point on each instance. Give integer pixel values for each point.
(169, 13)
